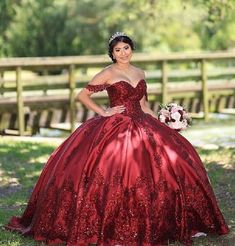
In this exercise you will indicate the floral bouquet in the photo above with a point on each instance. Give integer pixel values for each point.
(174, 116)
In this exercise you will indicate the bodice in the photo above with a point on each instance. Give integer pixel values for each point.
(123, 93)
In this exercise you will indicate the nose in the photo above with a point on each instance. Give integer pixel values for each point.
(123, 51)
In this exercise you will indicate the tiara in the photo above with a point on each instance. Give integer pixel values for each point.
(115, 35)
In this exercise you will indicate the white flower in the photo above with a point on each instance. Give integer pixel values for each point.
(175, 125)
(176, 116)
(165, 112)
(176, 108)
(162, 118)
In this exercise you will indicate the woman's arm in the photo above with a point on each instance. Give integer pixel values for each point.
(145, 107)
(84, 96)
(143, 102)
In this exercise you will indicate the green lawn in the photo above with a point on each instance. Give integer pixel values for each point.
(21, 163)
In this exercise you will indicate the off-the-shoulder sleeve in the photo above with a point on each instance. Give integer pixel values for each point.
(96, 88)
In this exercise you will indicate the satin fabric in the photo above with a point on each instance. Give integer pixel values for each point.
(126, 179)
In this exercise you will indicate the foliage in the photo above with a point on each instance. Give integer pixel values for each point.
(7, 13)
(36, 29)
(219, 21)
(53, 28)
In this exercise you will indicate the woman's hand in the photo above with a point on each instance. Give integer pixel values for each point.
(113, 110)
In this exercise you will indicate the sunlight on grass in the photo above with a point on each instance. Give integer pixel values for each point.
(33, 174)
(2, 150)
(21, 163)
(40, 159)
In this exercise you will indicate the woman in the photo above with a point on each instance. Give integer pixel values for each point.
(123, 177)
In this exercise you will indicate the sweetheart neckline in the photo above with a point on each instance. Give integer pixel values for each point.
(127, 83)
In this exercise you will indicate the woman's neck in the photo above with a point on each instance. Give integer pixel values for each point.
(122, 66)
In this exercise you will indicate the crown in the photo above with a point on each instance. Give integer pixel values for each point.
(116, 34)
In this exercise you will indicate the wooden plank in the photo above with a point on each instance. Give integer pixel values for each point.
(221, 103)
(20, 104)
(58, 101)
(205, 90)
(72, 97)
(228, 111)
(15, 132)
(231, 101)
(42, 62)
(2, 82)
(56, 116)
(63, 115)
(43, 117)
(4, 121)
(215, 84)
(179, 86)
(49, 118)
(164, 81)
(36, 122)
(12, 122)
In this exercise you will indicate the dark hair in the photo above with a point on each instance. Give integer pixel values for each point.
(113, 43)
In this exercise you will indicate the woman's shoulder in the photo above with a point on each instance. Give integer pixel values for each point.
(101, 77)
(139, 70)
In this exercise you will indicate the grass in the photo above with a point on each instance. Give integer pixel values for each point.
(21, 164)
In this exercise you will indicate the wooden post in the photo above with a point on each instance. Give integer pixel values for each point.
(164, 81)
(2, 82)
(20, 104)
(72, 97)
(204, 90)
(45, 73)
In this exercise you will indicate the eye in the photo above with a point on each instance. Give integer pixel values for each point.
(117, 50)
(127, 47)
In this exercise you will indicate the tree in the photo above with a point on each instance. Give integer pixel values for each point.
(7, 13)
(215, 27)
(52, 28)
(36, 29)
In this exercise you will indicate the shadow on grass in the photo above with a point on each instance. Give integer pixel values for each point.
(220, 165)
(21, 164)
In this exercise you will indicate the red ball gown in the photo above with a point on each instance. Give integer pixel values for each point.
(126, 179)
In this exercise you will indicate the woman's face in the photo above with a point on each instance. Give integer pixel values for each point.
(122, 52)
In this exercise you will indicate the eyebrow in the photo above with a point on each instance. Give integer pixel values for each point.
(121, 47)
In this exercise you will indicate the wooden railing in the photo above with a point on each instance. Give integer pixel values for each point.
(161, 70)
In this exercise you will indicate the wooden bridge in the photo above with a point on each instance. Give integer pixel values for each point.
(40, 92)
